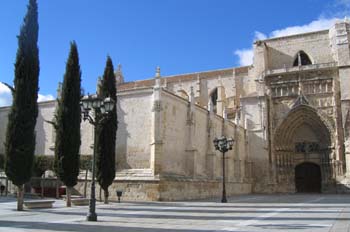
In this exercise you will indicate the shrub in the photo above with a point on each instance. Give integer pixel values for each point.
(2, 161)
(85, 161)
(42, 163)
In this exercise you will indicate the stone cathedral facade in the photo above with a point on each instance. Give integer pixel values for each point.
(289, 114)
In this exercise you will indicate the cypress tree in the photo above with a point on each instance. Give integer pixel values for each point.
(106, 133)
(67, 125)
(20, 134)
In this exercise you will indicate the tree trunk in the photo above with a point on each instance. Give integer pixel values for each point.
(6, 186)
(100, 194)
(68, 196)
(20, 194)
(42, 185)
(85, 182)
(57, 189)
(106, 196)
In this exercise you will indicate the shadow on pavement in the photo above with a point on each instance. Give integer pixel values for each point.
(96, 226)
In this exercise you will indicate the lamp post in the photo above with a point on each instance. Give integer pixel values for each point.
(223, 145)
(102, 108)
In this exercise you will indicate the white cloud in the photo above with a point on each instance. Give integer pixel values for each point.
(316, 25)
(336, 10)
(245, 56)
(47, 97)
(259, 35)
(6, 96)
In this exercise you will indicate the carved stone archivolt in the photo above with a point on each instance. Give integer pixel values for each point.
(290, 151)
(296, 117)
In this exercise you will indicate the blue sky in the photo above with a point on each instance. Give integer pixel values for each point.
(180, 36)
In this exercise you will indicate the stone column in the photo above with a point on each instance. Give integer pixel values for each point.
(202, 94)
(190, 148)
(156, 133)
(340, 44)
(53, 133)
(220, 102)
(210, 157)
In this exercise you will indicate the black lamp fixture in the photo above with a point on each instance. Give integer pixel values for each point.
(102, 108)
(223, 145)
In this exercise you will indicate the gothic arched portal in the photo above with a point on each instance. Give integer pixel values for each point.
(302, 138)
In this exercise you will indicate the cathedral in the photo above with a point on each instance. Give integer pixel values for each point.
(288, 114)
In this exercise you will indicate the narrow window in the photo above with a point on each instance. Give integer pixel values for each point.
(214, 98)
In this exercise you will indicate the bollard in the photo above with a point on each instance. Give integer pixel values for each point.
(119, 194)
(2, 189)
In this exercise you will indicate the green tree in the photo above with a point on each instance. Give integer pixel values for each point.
(67, 124)
(20, 134)
(106, 133)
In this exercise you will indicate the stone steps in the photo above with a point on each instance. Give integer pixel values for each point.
(137, 174)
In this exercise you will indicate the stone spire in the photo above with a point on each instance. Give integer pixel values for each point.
(158, 72)
(99, 85)
(59, 90)
(192, 98)
(157, 77)
(119, 75)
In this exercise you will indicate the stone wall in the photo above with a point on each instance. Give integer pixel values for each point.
(134, 129)
(281, 52)
(44, 131)
(167, 125)
(4, 111)
(189, 158)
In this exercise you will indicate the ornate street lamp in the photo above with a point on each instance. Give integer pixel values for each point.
(102, 108)
(223, 145)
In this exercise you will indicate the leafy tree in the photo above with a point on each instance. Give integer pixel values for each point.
(67, 124)
(20, 134)
(106, 133)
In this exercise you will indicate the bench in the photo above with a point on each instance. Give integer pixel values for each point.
(80, 201)
(71, 197)
(37, 204)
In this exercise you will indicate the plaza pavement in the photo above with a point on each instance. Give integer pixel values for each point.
(293, 212)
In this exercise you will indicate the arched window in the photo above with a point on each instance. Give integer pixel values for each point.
(301, 59)
(214, 98)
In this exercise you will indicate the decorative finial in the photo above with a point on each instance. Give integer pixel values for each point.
(158, 72)
(59, 90)
(157, 78)
(119, 75)
(119, 70)
(192, 95)
(99, 85)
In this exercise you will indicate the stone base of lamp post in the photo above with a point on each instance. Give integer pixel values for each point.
(223, 199)
(91, 217)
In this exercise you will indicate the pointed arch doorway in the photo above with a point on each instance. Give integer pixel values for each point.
(308, 178)
(303, 150)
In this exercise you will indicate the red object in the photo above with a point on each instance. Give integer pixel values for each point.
(51, 192)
